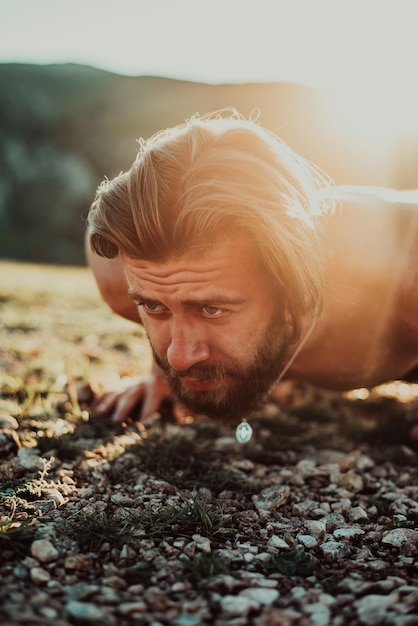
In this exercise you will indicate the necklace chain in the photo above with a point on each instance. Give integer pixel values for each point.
(244, 431)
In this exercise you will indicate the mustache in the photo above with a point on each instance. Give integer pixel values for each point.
(200, 372)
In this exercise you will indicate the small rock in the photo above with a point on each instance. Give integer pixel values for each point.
(307, 541)
(280, 617)
(334, 550)
(86, 613)
(348, 533)
(202, 543)
(358, 514)
(351, 481)
(48, 612)
(316, 528)
(261, 595)
(126, 608)
(8, 422)
(229, 557)
(39, 576)
(21, 572)
(115, 581)
(277, 542)
(319, 614)
(44, 551)
(372, 609)
(81, 562)
(122, 500)
(246, 518)
(271, 498)
(333, 521)
(29, 458)
(187, 619)
(401, 537)
(237, 605)
(157, 599)
(81, 591)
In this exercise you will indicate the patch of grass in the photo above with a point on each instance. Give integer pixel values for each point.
(203, 566)
(92, 530)
(190, 517)
(16, 535)
(179, 462)
(118, 528)
(296, 562)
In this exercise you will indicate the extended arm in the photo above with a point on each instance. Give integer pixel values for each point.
(112, 284)
(148, 393)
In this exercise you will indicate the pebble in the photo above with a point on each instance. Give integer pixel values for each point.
(87, 613)
(44, 551)
(401, 537)
(329, 503)
(8, 422)
(357, 514)
(319, 614)
(261, 595)
(277, 542)
(348, 533)
(82, 591)
(271, 498)
(29, 458)
(333, 521)
(126, 608)
(202, 543)
(39, 575)
(335, 550)
(351, 481)
(372, 609)
(316, 528)
(307, 541)
(232, 606)
(81, 562)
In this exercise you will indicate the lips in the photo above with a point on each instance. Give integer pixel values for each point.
(200, 385)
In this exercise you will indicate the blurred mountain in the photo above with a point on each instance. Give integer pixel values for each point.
(63, 128)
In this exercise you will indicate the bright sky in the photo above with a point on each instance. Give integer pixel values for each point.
(327, 43)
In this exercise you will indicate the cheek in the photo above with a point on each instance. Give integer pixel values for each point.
(158, 336)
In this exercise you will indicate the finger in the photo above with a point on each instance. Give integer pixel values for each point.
(156, 391)
(150, 407)
(127, 402)
(105, 402)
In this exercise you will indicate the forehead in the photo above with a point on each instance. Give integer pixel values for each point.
(230, 264)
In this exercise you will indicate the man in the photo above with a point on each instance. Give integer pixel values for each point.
(244, 264)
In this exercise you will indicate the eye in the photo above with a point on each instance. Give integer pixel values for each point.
(213, 311)
(153, 308)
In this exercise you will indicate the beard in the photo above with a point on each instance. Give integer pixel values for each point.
(242, 389)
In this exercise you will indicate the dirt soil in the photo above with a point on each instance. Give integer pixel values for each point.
(314, 521)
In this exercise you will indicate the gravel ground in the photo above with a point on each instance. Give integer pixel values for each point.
(313, 522)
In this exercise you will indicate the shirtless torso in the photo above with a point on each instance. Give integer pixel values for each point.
(368, 330)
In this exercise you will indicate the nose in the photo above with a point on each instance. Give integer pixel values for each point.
(187, 347)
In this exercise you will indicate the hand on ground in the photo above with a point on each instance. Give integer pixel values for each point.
(138, 401)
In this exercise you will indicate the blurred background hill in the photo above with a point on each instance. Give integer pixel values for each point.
(64, 127)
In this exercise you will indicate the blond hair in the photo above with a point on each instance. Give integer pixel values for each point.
(218, 174)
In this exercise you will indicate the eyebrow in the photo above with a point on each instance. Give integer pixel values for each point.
(219, 300)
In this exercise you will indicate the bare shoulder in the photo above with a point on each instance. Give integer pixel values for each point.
(373, 244)
(111, 281)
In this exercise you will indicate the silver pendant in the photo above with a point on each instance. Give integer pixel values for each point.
(243, 432)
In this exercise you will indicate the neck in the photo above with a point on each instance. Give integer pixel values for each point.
(298, 349)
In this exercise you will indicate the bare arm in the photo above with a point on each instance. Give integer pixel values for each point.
(143, 399)
(111, 281)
